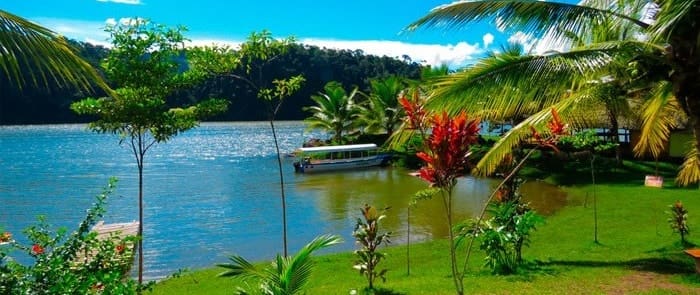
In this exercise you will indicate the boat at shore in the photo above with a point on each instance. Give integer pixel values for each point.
(339, 157)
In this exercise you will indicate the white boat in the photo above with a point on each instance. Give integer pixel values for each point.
(338, 157)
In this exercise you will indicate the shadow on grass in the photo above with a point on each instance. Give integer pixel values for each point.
(578, 172)
(657, 265)
(380, 291)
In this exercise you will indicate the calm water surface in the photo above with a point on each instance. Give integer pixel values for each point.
(213, 191)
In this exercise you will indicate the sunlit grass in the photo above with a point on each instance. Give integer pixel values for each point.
(636, 251)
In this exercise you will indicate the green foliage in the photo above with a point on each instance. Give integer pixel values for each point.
(381, 112)
(285, 276)
(587, 140)
(144, 65)
(75, 263)
(335, 111)
(367, 235)
(678, 220)
(504, 235)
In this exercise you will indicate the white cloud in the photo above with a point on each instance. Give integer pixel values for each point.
(537, 45)
(86, 31)
(122, 21)
(130, 2)
(454, 56)
(488, 39)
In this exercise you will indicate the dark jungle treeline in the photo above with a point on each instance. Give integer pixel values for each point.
(37, 105)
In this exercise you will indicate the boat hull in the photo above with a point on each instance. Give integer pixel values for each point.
(335, 165)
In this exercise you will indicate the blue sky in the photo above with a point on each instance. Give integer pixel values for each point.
(375, 26)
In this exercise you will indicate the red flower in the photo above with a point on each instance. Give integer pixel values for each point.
(119, 248)
(37, 249)
(415, 113)
(555, 125)
(448, 148)
(556, 128)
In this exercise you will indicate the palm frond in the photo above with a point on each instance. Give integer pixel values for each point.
(516, 84)
(239, 266)
(33, 55)
(690, 169)
(525, 15)
(298, 268)
(514, 137)
(657, 120)
(672, 16)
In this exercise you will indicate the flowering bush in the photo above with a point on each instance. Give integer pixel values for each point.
(78, 263)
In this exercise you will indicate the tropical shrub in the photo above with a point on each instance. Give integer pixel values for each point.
(444, 154)
(367, 236)
(678, 220)
(75, 263)
(286, 275)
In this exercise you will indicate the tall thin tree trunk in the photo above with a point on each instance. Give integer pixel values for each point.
(595, 200)
(696, 133)
(408, 241)
(284, 199)
(615, 135)
(456, 276)
(140, 233)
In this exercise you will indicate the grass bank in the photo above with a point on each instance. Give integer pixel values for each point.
(636, 253)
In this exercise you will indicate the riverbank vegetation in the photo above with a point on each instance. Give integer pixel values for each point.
(637, 252)
(615, 235)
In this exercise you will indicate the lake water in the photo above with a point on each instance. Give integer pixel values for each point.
(213, 191)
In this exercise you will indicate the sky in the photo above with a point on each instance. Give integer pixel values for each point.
(374, 26)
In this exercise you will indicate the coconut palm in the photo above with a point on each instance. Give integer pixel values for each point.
(530, 85)
(32, 55)
(382, 112)
(286, 275)
(335, 111)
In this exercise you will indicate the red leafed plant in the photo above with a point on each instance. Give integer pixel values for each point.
(445, 154)
(415, 112)
(447, 148)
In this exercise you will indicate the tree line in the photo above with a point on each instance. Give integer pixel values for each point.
(351, 68)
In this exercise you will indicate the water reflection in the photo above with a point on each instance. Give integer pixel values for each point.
(340, 195)
(213, 191)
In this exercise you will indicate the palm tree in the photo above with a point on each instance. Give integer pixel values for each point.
(335, 111)
(35, 56)
(287, 275)
(382, 112)
(670, 43)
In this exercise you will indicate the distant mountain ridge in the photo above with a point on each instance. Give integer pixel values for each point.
(36, 105)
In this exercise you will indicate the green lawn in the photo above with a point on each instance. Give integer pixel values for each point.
(637, 252)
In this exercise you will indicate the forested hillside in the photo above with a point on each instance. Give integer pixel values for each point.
(35, 105)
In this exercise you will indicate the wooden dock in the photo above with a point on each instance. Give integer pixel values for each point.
(121, 230)
(116, 232)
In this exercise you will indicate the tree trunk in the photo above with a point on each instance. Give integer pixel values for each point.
(284, 199)
(614, 135)
(140, 233)
(456, 276)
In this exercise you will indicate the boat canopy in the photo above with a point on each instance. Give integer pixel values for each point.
(339, 148)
